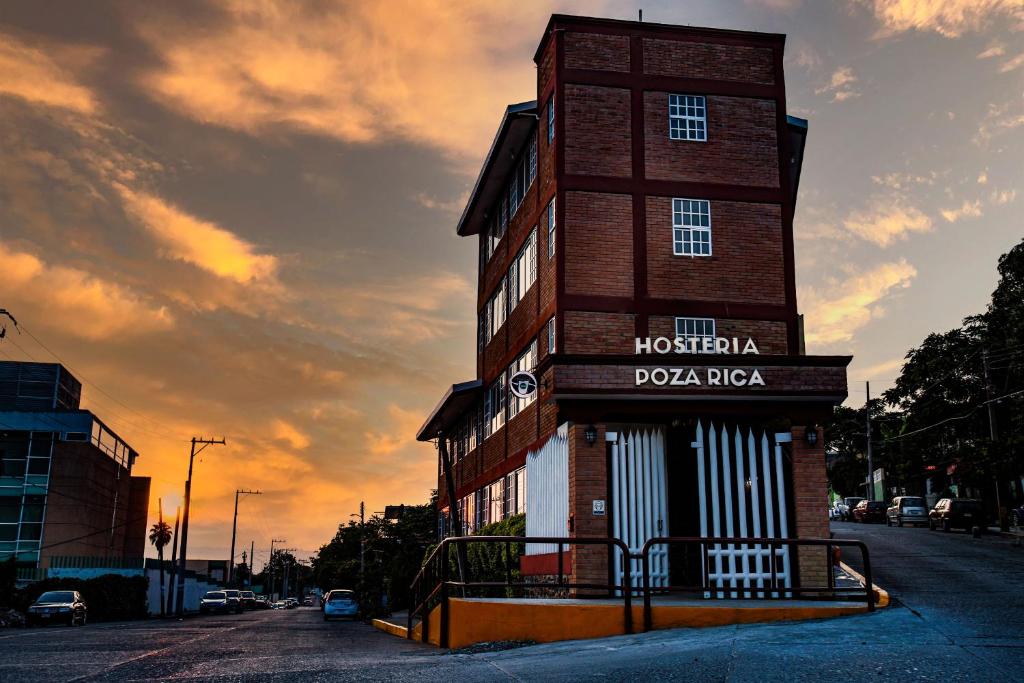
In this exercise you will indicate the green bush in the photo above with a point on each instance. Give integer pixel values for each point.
(110, 597)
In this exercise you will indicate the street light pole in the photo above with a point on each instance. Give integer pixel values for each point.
(182, 559)
(867, 421)
(270, 563)
(234, 530)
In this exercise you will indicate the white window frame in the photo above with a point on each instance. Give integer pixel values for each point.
(687, 117)
(523, 271)
(495, 311)
(526, 361)
(690, 237)
(696, 328)
(552, 340)
(552, 225)
(551, 119)
(494, 406)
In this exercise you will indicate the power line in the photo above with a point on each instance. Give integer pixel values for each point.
(973, 410)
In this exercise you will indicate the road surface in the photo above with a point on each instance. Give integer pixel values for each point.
(957, 616)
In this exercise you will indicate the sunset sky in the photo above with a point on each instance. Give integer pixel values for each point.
(238, 218)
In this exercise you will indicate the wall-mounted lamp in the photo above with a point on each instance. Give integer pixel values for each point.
(590, 434)
(811, 435)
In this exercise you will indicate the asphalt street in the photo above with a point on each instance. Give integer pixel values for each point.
(956, 617)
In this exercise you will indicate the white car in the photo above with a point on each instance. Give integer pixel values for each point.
(341, 603)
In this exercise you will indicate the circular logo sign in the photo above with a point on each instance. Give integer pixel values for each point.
(522, 384)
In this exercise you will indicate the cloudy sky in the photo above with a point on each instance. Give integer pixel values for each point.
(236, 218)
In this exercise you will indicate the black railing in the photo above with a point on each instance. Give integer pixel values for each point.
(771, 584)
(433, 584)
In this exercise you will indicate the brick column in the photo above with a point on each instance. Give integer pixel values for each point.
(588, 481)
(810, 495)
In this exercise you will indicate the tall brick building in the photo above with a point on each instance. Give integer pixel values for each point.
(635, 225)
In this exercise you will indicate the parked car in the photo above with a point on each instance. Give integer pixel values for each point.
(956, 513)
(262, 602)
(308, 601)
(64, 607)
(870, 511)
(234, 600)
(847, 505)
(291, 603)
(280, 604)
(213, 602)
(340, 603)
(248, 599)
(907, 510)
(1017, 516)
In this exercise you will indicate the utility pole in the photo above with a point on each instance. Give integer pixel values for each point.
(362, 541)
(252, 560)
(867, 426)
(993, 434)
(270, 563)
(203, 443)
(174, 560)
(234, 530)
(160, 525)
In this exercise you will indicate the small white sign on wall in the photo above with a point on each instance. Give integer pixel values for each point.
(599, 508)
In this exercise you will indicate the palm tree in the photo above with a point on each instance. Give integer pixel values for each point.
(159, 536)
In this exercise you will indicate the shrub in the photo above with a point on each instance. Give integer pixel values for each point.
(110, 597)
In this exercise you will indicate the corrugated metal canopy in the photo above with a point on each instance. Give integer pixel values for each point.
(453, 405)
(516, 125)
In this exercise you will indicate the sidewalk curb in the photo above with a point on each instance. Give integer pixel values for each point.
(881, 595)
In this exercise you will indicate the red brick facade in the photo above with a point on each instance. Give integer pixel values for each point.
(613, 275)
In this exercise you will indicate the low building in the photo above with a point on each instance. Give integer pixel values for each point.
(66, 483)
(640, 366)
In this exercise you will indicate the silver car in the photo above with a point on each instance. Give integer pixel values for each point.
(907, 510)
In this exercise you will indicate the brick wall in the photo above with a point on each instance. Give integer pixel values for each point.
(769, 335)
(596, 51)
(588, 481)
(746, 265)
(599, 243)
(603, 333)
(810, 498)
(598, 139)
(522, 429)
(687, 59)
(741, 146)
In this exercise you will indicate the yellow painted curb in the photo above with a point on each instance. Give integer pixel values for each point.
(388, 627)
(881, 595)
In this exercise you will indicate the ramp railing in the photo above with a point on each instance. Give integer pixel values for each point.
(440, 577)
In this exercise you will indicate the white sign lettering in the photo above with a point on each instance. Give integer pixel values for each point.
(713, 377)
(706, 345)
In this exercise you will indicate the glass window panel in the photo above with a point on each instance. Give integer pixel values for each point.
(8, 532)
(31, 532)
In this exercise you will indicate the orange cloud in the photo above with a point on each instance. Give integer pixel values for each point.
(833, 317)
(36, 76)
(193, 240)
(423, 71)
(950, 18)
(888, 224)
(97, 309)
(284, 431)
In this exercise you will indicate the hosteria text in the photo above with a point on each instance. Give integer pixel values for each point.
(701, 376)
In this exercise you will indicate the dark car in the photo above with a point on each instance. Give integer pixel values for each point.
(1017, 516)
(870, 511)
(957, 513)
(57, 607)
(248, 599)
(907, 510)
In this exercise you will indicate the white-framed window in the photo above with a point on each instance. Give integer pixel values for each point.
(494, 311)
(551, 119)
(495, 501)
(523, 271)
(551, 228)
(515, 492)
(520, 491)
(522, 178)
(552, 347)
(526, 361)
(687, 117)
(494, 406)
(691, 227)
(696, 328)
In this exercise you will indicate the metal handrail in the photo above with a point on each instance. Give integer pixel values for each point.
(427, 579)
(771, 591)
